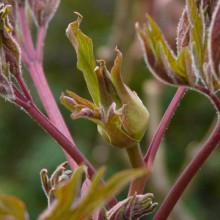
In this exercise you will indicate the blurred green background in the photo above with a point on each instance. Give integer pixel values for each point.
(25, 148)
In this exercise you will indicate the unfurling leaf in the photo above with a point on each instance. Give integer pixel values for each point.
(59, 177)
(196, 64)
(159, 58)
(70, 204)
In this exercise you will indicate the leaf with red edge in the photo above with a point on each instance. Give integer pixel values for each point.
(214, 42)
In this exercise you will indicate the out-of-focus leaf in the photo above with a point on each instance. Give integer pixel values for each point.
(85, 58)
(12, 208)
(214, 42)
(99, 195)
(72, 206)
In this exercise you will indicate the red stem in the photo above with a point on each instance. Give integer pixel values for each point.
(28, 43)
(187, 175)
(69, 147)
(23, 87)
(155, 143)
(34, 64)
(47, 125)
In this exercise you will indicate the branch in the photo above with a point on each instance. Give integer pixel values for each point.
(154, 145)
(187, 175)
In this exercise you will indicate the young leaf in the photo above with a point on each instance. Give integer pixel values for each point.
(156, 37)
(214, 42)
(182, 39)
(66, 195)
(72, 206)
(85, 58)
(197, 33)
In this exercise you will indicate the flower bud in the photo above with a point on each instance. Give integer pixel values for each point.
(133, 207)
(119, 113)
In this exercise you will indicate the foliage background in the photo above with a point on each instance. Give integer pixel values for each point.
(25, 149)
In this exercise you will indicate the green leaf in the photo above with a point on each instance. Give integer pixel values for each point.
(99, 195)
(197, 29)
(184, 64)
(12, 208)
(156, 37)
(85, 57)
(135, 115)
(73, 206)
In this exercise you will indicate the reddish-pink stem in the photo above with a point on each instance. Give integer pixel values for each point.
(48, 126)
(28, 43)
(40, 41)
(35, 67)
(187, 175)
(23, 87)
(154, 145)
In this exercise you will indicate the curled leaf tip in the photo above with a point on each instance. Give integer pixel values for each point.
(4, 11)
(118, 52)
(137, 25)
(79, 16)
(101, 62)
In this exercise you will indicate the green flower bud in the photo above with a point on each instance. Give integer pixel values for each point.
(135, 115)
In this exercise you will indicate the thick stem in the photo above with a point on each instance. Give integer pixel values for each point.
(187, 175)
(34, 64)
(27, 40)
(49, 103)
(136, 160)
(154, 145)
